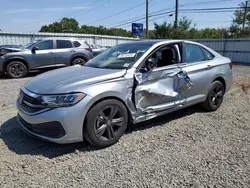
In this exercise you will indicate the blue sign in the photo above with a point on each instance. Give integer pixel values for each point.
(137, 29)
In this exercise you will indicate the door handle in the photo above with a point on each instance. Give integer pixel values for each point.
(51, 53)
(209, 67)
(72, 51)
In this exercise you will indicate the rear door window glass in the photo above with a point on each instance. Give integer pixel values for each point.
(193, 53)
(63, 44)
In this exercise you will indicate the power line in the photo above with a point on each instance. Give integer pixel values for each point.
(89, 6)
(202, 10)
(145, 17)
(117, 13)
(83, 12)
(125, 21)
(207, 2)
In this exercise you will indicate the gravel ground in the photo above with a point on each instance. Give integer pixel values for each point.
(189, 148)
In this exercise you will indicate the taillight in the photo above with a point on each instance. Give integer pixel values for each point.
(88, 49)
(231, 65)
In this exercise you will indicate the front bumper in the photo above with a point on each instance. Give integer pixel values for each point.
(71, 120)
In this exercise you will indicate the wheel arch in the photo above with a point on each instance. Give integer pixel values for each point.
(16, 59)
(222, 80)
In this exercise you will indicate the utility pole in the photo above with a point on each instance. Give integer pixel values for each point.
(245, 15)
(176, 14)
(146, 17)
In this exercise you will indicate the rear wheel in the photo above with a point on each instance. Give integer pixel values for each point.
(106, 122)
(78, 61)
(214, 97)
(16, 69)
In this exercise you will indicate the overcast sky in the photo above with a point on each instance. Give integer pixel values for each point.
(30, 15)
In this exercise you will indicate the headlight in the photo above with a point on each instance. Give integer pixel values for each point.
(64, 100)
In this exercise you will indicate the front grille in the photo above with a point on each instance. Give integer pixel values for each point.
(52, 129)
(30, 104)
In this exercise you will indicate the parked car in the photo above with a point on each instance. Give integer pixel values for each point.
(128, 83)
(45, 53)
(97, 49)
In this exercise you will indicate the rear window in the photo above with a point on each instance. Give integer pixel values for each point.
(63, 44)
(76, 44)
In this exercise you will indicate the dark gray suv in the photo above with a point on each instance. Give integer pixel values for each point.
(45, 53)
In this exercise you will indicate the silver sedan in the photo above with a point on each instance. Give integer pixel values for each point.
(126, 84)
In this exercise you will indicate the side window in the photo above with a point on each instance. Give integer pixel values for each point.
(208, 55)
(63, 44)
(165, 56)
(76, 44)
(45, 45)
(193, 53)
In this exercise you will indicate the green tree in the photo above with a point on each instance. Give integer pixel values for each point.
(66, 25)
(236, 29)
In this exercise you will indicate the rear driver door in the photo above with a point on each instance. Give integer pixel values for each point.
(64, 51)
(197, 65)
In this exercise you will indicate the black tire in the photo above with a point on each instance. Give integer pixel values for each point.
(101, 130)
(16, 69)
(78, 61)
(214, 97)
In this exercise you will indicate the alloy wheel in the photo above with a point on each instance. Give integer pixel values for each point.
(17, 69)
(79, 61)
(108, 123)
(217, 95)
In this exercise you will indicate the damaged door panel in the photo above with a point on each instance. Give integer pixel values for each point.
(160, 90)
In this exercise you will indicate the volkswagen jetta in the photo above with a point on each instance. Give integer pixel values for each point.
(128, 83)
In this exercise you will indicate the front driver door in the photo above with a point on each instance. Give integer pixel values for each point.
(162, 88)
(44, 56)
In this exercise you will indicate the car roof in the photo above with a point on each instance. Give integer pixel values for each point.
(159, 41)
(62, 38)
(146, 42)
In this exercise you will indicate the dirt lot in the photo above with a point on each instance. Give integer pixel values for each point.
(189, 148)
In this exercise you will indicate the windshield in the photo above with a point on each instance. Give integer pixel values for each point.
(122, 56)
(31, 44)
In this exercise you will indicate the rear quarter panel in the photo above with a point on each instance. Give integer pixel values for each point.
(221, 69)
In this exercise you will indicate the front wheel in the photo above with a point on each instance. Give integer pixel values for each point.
(16, 69)
(214, 97)
(78, 61)
(106, 122)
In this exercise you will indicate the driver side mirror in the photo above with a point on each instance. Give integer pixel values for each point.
(151, 64)
(34, 49)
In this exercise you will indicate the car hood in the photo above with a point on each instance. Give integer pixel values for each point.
(70, 79)
(14, 49)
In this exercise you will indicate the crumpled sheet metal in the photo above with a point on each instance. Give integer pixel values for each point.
(150, 93)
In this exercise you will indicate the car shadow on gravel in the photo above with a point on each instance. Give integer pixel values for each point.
(30, 74)
(22, 144)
